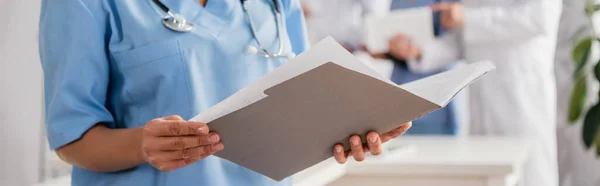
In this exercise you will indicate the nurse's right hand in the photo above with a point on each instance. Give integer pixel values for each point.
(171, 143)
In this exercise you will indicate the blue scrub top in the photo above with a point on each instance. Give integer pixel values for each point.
(113, 62)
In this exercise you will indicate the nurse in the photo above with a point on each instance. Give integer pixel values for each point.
(120, 85)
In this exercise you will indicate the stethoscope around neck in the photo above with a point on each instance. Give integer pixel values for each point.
(179, 23)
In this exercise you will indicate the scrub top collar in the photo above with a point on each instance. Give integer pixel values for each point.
(191, 7)
(212, 16)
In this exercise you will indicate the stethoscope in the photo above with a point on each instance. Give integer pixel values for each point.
(178, 23)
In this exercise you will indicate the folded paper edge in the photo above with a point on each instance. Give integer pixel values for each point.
(481, 68)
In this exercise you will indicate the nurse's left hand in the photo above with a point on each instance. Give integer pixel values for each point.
(374, 141)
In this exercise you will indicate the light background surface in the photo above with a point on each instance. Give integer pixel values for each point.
(21, 136)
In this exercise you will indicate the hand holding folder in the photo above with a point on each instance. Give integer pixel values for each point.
(290, 119)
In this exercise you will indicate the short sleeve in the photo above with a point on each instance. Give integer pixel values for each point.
(296, 25)
(76, 70)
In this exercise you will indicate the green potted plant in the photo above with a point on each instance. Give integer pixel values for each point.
(578, 108)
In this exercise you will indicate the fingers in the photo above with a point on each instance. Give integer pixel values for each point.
(176, 164)
(443, 6)
(356, 148)
(162, 156)
(395, 133)
(374, 143)
(171, 117)
(170, 142)
(183, 142)
(339, 154)
(175, 128)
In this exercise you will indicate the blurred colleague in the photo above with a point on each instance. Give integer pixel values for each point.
(440, 122)
(576, 165)
(340, 19)
(343, 20)
(518, 98)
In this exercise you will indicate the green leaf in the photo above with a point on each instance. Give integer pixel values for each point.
(591, 126)
(580, 55)
(591, 9)
(598, 144)
(578, 99)
(597, 70)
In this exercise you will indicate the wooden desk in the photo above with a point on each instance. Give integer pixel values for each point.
(436, 161)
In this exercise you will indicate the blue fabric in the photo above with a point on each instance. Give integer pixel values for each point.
(113, 62)
(443, 121)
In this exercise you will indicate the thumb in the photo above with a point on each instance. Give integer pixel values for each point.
(172, 117)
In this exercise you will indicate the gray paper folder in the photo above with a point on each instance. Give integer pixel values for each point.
(290, 119)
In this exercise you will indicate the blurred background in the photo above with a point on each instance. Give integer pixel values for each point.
(546, 83)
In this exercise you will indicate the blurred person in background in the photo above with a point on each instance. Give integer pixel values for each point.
(340, 19)
(517, 99)
(441, 122)
(343, 20)
(577, 166)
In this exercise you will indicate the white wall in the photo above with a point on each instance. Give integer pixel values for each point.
(20, 93)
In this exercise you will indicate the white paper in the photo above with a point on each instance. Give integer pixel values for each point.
(327, 50)
(442, 87)
(438, 89)
(385, 67)
(415, 23)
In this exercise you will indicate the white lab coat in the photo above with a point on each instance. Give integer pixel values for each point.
(518, 98)
(341, 19)
(577, 165)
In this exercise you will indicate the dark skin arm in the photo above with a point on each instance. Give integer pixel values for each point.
(166, 143)
(105, 150)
